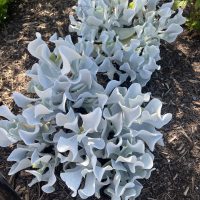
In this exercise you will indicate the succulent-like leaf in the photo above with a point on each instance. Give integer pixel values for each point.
(102, 136)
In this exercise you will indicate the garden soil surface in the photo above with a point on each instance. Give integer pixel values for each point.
(177, 84)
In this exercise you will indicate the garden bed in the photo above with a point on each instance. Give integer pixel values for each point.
(177, 174)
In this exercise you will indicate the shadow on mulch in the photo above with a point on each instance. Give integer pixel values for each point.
(27, 18)
(177, 84)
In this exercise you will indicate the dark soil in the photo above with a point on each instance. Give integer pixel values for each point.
(177, 84)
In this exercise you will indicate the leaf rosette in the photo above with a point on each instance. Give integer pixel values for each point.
(127, 34)
(101, 137)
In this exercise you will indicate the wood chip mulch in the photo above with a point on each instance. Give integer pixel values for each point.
(177, 84)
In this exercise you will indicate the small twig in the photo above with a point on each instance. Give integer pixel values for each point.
(41, 197)
(27, 196)
(175, 177)
(193, 183)
(186, 191)
(187, 137)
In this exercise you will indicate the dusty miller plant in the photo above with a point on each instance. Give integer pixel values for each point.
(101, 137)
(127, 34)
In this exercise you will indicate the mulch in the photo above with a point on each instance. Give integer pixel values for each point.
(177, 84)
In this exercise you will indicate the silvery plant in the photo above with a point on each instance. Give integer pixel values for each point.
(99, 137)
(127, 33)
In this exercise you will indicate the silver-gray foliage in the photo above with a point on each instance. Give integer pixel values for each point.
(127, 34)
(101, 137)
